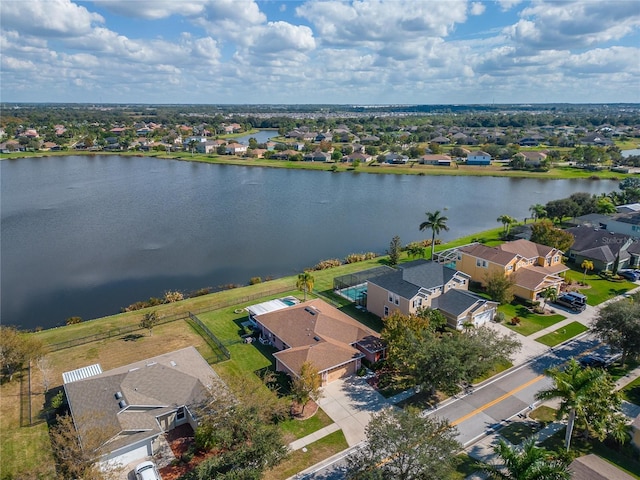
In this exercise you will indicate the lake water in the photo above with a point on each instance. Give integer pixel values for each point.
(88, 235)
(261, 136)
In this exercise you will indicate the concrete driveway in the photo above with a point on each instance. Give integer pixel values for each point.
(350, 402)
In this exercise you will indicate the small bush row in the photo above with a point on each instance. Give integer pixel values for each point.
(351, 258)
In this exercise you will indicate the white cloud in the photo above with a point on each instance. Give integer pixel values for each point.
(508, 4)
(477, 8)
(153, 9)
(47, 18)
(576, 24)
(365, 21)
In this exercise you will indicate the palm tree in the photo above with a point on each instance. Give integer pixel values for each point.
(575, 387)
(586, 265)
(507, 221)
(549, 293)
(305, 283)
(538, 211)
(436, 223)
(525, 462)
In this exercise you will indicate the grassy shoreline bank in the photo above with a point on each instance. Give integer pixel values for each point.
(494, 170)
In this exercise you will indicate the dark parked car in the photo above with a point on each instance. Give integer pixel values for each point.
(593, 361)
(630, 275)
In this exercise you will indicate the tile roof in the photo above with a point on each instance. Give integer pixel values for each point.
(527, 248)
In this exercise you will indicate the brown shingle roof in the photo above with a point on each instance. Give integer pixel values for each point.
(491, 254)
(527, 248)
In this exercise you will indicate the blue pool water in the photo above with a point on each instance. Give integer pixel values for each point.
(355, 293)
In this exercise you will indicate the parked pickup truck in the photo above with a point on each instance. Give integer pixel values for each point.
(574, 301)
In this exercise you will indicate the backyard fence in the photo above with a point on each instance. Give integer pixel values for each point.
(220, 351)
(124, 330)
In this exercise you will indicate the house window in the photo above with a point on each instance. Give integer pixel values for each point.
(459, 256)
(386, 311)
(509, 267)
(396, 299)
(180, 414)
(390, 297)
(478, 262)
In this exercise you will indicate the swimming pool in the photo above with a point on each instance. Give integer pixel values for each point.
(356, 293)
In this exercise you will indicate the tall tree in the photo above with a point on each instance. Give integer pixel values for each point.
(403, 445)
(545, 233)
(306, 386)
(537, 211)
(17, 349)
(586, 265)
(525, 462)
(394, 251)
(587, 397)
(305, 283)
(436, 223)
(507, 221)
(549, 293)
(149, 320)
(499, 286)
(618, 325)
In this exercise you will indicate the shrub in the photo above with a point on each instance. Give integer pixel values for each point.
(171, 297)
(499, 317)
(515, 321)
(255, 280)
(200, 292)
(359, 257)
(74, 320)
(325, 264)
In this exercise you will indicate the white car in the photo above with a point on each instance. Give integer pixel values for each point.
(147, 471)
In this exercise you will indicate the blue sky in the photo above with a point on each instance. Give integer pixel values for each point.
(320, 51)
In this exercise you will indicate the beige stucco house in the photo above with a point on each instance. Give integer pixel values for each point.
(422, 284)
(535, 267)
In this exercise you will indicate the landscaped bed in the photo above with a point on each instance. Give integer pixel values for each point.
(528, 322)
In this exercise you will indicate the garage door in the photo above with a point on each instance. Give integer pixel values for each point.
(135, 453)
(483, 318)
(341, 372)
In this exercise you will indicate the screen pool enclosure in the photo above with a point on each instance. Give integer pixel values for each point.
(353, 286)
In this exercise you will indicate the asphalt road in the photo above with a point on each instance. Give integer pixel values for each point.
(492, 403)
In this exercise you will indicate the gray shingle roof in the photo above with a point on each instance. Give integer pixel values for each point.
(455, 302)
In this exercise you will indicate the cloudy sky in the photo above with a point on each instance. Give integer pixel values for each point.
(320, 51)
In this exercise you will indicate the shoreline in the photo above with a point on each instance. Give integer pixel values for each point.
(494, 170)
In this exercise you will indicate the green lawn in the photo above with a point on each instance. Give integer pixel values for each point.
(631, 392)
(529, 322)
(316, 452)
(598, 289)
(543, 414)
(297, 429)
(517, 432)
(465, 467)
(562, 334)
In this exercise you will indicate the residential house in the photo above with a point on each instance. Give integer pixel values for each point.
(317, 156)
(596, 139)
(361, 157)
(232, 128)
(436, 159)
(422, 284)
(207, 147)
(531, 159)
(314, 331)
(118, 130)
(370, 139)
(396, 158)
(236, 149)
(324, 137)
(440, 140)
(602, 247)
(478, 157)
(134, 405)
(625, 223)
(531, 141)
(535, 267)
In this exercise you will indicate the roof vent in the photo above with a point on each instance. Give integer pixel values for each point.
(122, 403)
(173, 364)
(118, 395)
(307, 309)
